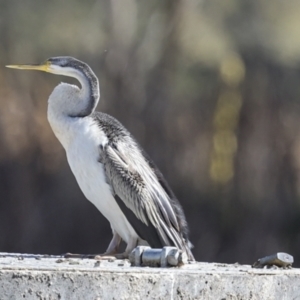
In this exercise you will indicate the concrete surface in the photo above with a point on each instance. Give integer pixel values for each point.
(24, 276)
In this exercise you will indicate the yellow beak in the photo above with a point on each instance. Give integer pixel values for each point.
(39, 67)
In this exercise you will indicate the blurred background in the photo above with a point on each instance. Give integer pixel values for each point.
(210, 89)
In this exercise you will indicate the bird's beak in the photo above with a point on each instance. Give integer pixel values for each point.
(39, 67)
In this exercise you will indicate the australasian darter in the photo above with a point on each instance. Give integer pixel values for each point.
(112, 170)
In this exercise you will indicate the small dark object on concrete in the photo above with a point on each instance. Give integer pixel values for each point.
(167, 256)
(280, 259)
(97, 264)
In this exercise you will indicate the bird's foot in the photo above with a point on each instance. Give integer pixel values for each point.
(132, 243)
(106, 256)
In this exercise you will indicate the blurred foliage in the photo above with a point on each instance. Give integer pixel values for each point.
(210, 89)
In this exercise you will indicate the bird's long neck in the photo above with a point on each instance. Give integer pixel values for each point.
(68, 103)
(89, 92)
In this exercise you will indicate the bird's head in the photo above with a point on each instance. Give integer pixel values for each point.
(61, 65)
(83, 101)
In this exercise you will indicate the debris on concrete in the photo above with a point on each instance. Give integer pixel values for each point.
(165, 257)
(280, 259)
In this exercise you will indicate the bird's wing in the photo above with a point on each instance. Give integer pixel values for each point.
(135, 184)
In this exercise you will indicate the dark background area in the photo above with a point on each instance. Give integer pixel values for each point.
(210, 89)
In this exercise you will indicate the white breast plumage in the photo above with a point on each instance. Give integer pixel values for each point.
(82, 141)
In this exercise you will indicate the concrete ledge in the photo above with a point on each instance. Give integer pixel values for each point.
(40, 277)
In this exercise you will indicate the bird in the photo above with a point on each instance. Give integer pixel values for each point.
(111, 168)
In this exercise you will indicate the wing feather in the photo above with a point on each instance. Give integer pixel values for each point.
(135, 183)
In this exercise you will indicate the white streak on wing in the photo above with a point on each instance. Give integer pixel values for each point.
(153, 186)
